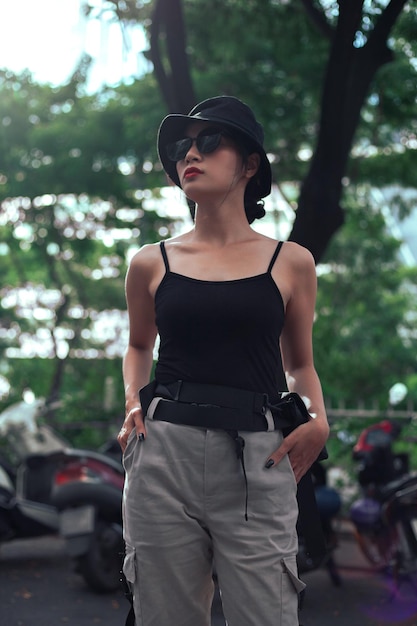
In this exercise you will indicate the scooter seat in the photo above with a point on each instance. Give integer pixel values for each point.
(392, 488)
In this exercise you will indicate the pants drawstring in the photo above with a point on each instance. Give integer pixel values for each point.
(239, 446)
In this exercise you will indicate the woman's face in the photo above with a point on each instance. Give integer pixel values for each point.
(217, 171)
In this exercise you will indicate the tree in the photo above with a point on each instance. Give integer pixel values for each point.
(68, 219)
(359, 48)
(80, 180)
(357, 37)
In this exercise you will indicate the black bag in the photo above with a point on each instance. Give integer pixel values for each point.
(130, 619)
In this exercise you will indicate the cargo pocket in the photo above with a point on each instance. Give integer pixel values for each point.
(129, 565)
(291, 588)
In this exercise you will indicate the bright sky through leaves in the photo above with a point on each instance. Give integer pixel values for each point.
(48, 37)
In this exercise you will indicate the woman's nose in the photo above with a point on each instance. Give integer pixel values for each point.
(193, 152)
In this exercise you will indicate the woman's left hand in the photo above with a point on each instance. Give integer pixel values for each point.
(303, 446)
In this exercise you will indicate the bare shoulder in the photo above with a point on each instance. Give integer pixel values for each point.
(299, 259)
(146, 256)
(150, 253)
(297, 253)
(295, 272)
(146, 269)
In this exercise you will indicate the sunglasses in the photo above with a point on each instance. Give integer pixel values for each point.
(206, 142)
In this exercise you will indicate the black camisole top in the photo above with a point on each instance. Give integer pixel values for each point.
(221, 332)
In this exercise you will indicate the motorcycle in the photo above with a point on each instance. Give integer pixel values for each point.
(28, 459)
(48, 487)
(385, 516)
(87, 492)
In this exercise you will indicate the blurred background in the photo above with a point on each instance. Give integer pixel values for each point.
(83, 87)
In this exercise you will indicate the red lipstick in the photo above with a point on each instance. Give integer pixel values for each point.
(191, 171)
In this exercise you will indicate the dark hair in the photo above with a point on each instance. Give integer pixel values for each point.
(254, 205)
(254, 208)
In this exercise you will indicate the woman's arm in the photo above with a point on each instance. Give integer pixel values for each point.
(138, 359)
(304, 444)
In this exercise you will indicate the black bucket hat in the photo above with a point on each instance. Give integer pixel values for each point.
(229, 113)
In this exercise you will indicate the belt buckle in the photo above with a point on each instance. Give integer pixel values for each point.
(265, 403)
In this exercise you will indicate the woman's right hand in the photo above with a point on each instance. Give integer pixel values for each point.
(133, 420)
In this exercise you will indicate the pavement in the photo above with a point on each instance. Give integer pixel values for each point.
(39, 588)
(365, 597)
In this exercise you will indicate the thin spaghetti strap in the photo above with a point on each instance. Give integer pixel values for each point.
(274, 257)
(164, 255)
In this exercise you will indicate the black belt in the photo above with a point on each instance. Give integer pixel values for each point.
(224, 408)
(235, 410)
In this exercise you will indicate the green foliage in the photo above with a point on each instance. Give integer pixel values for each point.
(91, 406)
(364, 338)
(77, 145)
(73, 173)
(268, 54)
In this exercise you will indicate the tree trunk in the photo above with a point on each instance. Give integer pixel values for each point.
(349, 74)
(176, 85)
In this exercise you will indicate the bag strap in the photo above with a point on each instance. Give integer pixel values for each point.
(217, 395)
(130, 619)
(309, 522)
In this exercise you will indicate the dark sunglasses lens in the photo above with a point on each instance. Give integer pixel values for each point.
(208, 143)
(177, 150)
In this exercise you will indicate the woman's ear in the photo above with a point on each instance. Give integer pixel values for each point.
(252, 164)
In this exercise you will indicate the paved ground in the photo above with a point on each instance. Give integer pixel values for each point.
(363, 599)
(38, 588)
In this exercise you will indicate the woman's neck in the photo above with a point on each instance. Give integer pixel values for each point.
(221, 226)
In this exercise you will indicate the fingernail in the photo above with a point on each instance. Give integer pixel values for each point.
(141, 437)
(269, 463)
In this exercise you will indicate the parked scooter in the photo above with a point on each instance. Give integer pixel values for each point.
(385, 517)
(28, 459)
(88, 494)
(48, 487)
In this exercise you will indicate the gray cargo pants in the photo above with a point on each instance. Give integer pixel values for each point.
(183, 510)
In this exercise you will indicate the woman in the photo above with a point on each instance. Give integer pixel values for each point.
(210, 479)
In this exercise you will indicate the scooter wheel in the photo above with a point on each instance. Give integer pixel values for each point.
(333, 572)
(100, 566)
(377, 548)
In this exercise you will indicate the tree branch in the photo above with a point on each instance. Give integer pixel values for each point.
(384, 26)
